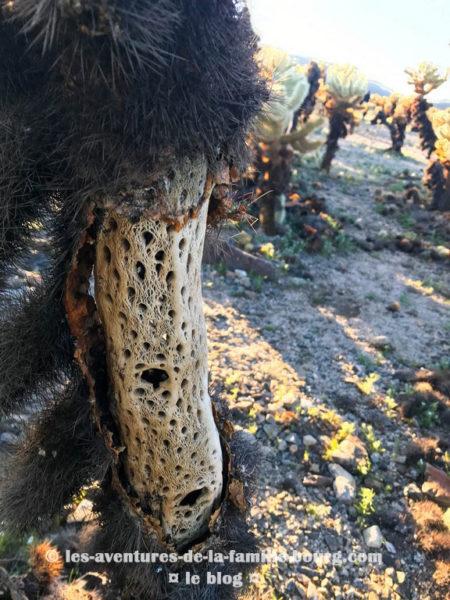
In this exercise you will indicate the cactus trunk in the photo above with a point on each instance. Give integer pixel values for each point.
(148, 293)
(437, 180)
(338, 129)
(275, 168)
(422, 124)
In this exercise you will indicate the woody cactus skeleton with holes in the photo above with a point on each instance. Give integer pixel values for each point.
(275, 140)
(124, 118)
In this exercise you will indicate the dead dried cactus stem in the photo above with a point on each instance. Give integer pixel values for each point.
(148, 295)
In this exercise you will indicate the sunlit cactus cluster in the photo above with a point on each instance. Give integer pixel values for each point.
(346, 84)
(425, 78)
(275, 139)
(437, 174)
(289, 87)
(342, 95)
(440, 120)
(394, 112)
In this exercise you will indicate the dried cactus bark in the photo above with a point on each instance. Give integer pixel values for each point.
(148, 291)
(339, 123)
(274, 163)
(302, 115)
(437, 180)
(422, 124)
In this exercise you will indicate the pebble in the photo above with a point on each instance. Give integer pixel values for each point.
(393, 307)
(390, 547)
(309, 440)
(401, 576)
(373, 536)
(350, 452)
(282, 445)
(344, 484)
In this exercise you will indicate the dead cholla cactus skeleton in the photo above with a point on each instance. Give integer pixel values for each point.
(425, 78)
(276, 142)
(394, 112)
(118, 120)
(344, 90)
(437, 174)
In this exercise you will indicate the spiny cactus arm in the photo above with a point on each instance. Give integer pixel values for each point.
(346, 84)
(437, 175)
(440, 120)
(301, 132)
(61, 452)
(289, 87)
(35, 346)
(425, 78)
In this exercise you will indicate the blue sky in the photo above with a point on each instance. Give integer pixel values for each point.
(381, 37)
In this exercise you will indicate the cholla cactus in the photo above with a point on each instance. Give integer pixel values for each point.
(275, 139)
(121, 118)
(344, 90)
(425, 78)
(289, 87)
(394, 111)
(437, 176)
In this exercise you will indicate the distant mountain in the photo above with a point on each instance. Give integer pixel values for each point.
(378, 88)
(442, 104)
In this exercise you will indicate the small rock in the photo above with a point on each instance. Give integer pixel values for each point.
(293, 448)
(309, 440)
(312, 480)
(240, 273)
(282, 445)
(350, 452)
(344, 484)
(393, 307)
(401, 576)
(390, 547)
(373, 536)
(292, 438)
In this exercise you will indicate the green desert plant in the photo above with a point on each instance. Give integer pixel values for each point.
(275, 140)
(344, 90)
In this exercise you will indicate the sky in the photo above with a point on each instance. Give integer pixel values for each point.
(381, 37)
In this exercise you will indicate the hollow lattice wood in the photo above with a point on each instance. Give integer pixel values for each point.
(148, 291)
